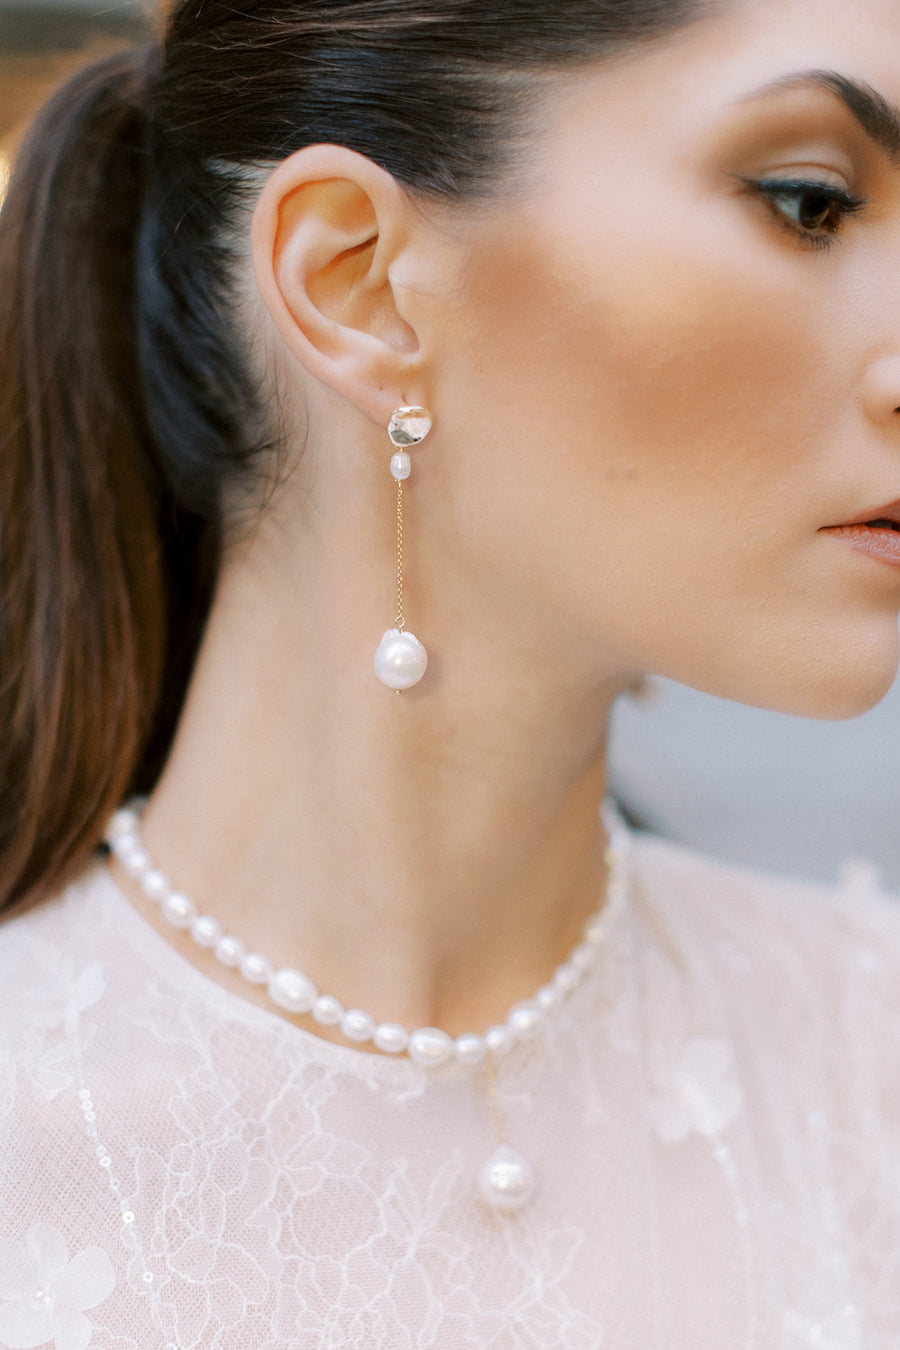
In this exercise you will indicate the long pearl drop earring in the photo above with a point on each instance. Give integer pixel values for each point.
(401, 660)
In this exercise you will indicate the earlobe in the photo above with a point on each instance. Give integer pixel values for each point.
(327, 230)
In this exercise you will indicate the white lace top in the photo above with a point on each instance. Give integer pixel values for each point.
(714, 1119)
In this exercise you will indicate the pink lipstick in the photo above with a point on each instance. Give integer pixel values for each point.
(875, 532)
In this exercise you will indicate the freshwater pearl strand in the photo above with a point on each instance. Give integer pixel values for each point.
(294, 992)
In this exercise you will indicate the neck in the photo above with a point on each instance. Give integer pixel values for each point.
(428, 856)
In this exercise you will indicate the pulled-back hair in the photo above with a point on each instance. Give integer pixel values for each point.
(126, 410)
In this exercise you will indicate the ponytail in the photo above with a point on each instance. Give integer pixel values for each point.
(89, 582)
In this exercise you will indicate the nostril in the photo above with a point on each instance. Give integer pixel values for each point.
(880, 390)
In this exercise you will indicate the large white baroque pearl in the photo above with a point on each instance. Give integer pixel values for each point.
(401, 660)
(506, 1180)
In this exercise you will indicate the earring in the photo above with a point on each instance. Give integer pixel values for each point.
(400, 660)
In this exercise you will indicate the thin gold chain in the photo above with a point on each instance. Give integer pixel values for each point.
(400, 621)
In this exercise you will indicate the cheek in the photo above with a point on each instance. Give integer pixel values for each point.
(666, 358)
(661, 416)
(688, 375)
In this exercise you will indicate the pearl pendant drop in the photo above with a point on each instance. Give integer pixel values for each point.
(400, 660)
(506, 1180)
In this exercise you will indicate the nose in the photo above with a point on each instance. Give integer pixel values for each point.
(881, 391)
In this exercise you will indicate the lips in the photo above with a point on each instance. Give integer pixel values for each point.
(875, 532)
(877, 518)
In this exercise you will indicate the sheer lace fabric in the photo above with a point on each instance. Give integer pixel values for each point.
(714, 1118)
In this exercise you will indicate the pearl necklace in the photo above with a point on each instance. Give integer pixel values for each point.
(506, 1180)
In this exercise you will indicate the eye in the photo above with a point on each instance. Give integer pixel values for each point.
(815, 212)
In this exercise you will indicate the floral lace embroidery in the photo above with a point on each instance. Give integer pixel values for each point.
(694, 1090)
(35, 1030)
(46, 1295)
(233, 1184)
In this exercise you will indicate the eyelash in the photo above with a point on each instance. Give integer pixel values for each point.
(844, 203)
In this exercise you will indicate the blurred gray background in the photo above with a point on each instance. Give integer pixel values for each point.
(787, 794)
(43, 41)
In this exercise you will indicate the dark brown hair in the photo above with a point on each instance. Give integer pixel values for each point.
(125, 409)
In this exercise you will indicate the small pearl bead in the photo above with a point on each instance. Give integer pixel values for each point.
(506, 1180)
(526, 1021)
(430, 1046)
(292, 990)
(229, 950)
(391, 1038)
(135, 860)
(124, 843)
(499, 1040)
(255, 968)
(470, 1049)
(548, 997)
(584, 956)
(178, 910)
(205, 930)
(357, 1025)
(567, 977)
(401, 465)
(401, 660)
(124, 822)
(155, 885)
(595, 929)
(328, 1010)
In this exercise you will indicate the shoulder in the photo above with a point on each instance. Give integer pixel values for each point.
(690, 890)
(808, 968)
(772, 1016)
(49, 953)
(83, 900)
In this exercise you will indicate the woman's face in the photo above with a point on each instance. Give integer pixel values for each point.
(671, 359)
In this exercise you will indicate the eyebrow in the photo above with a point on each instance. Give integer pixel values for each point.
(879, 119)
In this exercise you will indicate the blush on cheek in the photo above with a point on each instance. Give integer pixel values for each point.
(666, 381)
(692, 360)
(670, 379)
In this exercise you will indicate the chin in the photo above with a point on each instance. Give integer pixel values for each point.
(833, 675)
(835, 690)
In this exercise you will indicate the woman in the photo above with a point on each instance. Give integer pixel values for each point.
(621, 280)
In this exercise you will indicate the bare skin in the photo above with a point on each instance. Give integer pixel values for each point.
(651, 395)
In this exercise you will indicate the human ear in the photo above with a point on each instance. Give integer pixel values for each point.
(329, 233)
